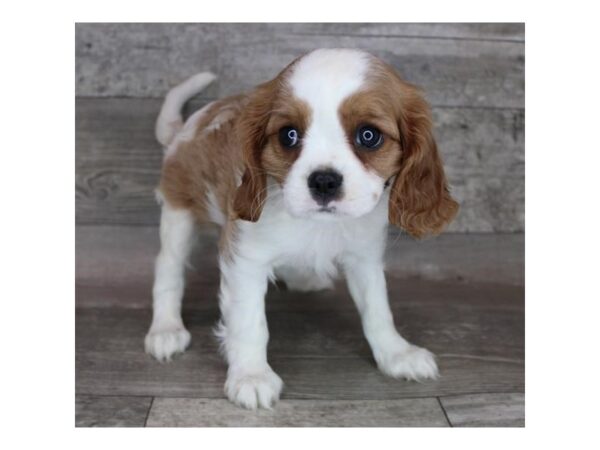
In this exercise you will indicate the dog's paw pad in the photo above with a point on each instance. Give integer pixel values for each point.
(413, 363)
(253, 390)
(164, 343)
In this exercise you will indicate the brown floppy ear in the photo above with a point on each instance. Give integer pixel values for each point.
(250, 196)
(419, 200)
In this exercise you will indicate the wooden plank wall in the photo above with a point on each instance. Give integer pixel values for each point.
(473, 75)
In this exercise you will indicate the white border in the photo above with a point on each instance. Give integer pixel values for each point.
(38, 217)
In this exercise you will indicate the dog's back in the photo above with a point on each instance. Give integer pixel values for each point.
(202, 156)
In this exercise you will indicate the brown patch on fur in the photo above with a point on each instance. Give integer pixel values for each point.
(419, 200)
(372, 107)
(246, 141)
(236, 135)
(208, 162)
(250, 196)
(287, 111)
(270, 107)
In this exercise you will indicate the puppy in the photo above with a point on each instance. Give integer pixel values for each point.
(303, 175)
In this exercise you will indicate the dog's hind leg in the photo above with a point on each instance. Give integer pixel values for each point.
(167, 334)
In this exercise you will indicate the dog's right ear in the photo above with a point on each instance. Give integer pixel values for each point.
(251, 194)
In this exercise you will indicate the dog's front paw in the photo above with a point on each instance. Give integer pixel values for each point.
(163, 343)
(412, 363)
(253, 389)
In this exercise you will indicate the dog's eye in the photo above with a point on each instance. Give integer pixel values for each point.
(289, 137)
(368, 137)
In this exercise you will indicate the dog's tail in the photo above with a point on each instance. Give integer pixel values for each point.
(170, 121)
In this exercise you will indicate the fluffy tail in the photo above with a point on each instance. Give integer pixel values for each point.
(169, 121)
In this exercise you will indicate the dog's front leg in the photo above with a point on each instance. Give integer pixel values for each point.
(251, 382)
(394, 355)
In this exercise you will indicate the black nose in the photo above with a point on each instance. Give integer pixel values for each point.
(324, 185)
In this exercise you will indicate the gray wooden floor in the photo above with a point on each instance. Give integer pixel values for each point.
(317, 347)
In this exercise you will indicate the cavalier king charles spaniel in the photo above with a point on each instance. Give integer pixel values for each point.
(302, 174)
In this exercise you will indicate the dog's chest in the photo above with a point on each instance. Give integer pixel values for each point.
(316, 242)
(319, 245)
(309, 248)
(313, 244)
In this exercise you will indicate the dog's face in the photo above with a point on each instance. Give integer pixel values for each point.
(335, 128)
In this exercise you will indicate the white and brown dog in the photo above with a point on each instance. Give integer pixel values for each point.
(303, 174)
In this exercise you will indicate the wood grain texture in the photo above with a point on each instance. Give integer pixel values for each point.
(486, 410)
(201, 295)
(118, 163)
(195, 412)
(111, 411)
(457, 64)
(320, 354)
(302, 331)
(326, 378)
(122, 258)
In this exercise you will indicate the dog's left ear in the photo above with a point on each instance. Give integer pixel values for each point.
(251, 194)
(419, 200)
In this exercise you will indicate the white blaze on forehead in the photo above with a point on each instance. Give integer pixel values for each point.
(324, 78)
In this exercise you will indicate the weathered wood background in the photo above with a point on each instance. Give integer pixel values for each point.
(473, 75)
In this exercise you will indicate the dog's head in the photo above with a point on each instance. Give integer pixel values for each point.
(334, 129)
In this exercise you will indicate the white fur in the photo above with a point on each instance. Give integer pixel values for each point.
(294, 242)
(214, 210)
(188, 131)
(167, 334)
(394, 355)
(250, 380)
(307, 254)
(224, 116)
(169, 121)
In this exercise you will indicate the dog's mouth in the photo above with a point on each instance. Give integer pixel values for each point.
(326, 209)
